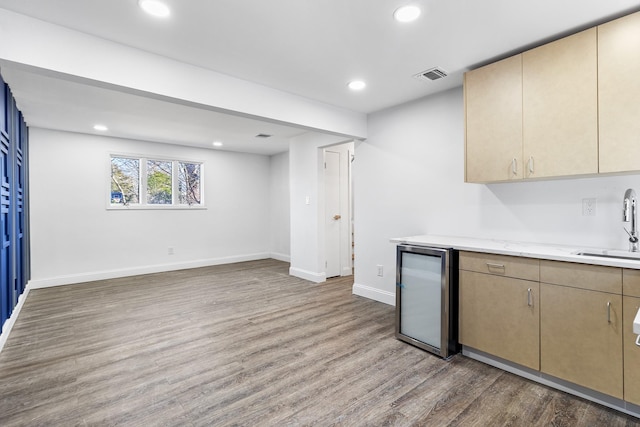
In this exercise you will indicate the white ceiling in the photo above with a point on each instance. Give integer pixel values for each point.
(308, 48)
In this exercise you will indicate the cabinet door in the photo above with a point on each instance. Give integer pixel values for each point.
(493, 116)
(500, 315)
(631, 352)
(581, 337)
(619, 94)
(560, 107)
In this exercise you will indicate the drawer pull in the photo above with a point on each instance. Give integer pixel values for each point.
(529, 300)
(491, 265)
(514, 167)
(608, 311)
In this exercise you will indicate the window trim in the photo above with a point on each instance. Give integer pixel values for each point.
(142, 189)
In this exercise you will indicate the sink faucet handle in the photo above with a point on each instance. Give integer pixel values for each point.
(632, 238)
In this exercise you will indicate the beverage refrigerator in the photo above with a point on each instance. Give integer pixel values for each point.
(426, 298)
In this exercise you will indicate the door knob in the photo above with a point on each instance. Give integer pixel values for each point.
(337, 217)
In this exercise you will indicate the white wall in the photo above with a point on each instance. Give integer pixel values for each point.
(75, 238)
(409, 180)
(279, 204)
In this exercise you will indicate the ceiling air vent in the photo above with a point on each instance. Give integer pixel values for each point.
(431, 74)
(263, 135)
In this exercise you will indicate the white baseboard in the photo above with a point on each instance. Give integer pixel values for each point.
(281, 257)
(374, 294)
(8, 324)
(308, 275)
(135, 271)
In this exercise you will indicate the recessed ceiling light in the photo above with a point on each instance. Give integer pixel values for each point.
(406, 13)
(357, 85)
(217, 144)
(100, 128)
(155, 8)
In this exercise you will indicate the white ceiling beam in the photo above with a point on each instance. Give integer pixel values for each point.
(60, 51)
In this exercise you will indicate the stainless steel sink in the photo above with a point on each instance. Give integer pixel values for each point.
(610, 253)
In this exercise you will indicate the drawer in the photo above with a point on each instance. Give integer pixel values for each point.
(631, 282)
(583, 276)
(501, 265)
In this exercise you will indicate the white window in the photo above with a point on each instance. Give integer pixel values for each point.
(140, 182)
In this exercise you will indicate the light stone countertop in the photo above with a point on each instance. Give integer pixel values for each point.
(521, 249)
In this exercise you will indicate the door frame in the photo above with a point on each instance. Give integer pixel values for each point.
(346, 151)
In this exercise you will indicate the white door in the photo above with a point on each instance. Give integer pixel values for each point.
(333, 217)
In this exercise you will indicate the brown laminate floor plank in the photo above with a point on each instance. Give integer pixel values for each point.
(248, 345)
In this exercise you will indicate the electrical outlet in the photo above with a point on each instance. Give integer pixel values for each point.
(589, 207)
(380, 270)
(169, 250)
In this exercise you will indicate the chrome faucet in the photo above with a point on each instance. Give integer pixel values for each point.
(630, 213)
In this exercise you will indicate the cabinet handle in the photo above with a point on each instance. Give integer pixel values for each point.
(529, 301)
(531, 168)
(491, 265)
(514, 166)
(608, 311)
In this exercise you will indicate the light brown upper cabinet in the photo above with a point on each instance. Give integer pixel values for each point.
(619, 94)
(534, 115)
(493, 110)
(560, 107)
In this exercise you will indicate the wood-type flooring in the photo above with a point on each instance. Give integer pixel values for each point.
(247, 345)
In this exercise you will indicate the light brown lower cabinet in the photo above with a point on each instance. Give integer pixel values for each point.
(631, 352)
(571, 321)
(581, 337)
(500, 315)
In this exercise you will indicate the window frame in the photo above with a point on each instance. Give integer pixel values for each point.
(142, 183)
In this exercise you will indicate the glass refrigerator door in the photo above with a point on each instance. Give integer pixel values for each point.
(421, 298)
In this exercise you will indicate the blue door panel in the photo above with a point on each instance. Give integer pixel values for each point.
(14, 253)
(6, 274)
(4, 124)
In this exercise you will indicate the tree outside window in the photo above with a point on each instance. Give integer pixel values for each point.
(189, 183)
(159, 183)
(125, 181)
(150, 182)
